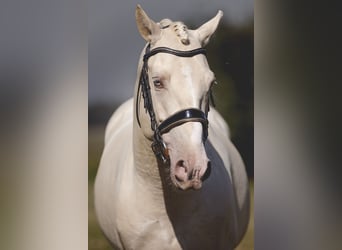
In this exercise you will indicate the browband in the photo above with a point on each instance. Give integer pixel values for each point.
(188, 53)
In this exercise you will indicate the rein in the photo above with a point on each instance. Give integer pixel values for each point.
(188, 115)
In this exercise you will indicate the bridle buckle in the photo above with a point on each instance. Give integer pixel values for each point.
(159, 149)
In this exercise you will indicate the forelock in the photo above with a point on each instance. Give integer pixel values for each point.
(181, 31)
(179, 28)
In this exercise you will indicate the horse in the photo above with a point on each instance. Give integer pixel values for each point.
(169, 176)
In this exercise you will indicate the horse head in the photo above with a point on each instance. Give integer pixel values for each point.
(177, 90)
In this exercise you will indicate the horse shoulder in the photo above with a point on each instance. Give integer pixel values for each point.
(122, 116)
(126, 212)
(116, 165)
(220, 138)
(241, 188)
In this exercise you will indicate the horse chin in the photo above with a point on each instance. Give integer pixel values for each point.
(193, 184)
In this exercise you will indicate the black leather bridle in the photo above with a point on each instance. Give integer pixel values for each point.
(188, 115)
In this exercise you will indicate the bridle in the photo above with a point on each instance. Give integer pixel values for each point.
(187, 115)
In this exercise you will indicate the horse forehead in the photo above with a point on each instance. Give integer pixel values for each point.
(182, 71)
(195, 69)
(193, 73)
(188, 84)
(190, 69)
(177, 35)
(190, 72)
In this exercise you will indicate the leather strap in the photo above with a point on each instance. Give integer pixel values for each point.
(183, 116)
(180, 53)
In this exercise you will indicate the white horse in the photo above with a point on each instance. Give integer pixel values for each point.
(189, 191)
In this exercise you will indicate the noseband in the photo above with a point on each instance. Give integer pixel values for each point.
(188, 115)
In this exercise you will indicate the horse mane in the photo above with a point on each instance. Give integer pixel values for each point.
(180, 29)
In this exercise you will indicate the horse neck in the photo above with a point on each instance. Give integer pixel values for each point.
(145, 160)
(146, 164)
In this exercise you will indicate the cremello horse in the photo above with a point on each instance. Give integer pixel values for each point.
(189, 191)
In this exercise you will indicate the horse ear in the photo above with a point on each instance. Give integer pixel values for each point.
(206, 30)
(148, 29)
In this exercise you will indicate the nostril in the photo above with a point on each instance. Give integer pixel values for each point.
(181, 164)
(207, 172)
(181, 171)
(178, 179)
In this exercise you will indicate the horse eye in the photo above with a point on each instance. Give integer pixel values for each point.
(157, 83)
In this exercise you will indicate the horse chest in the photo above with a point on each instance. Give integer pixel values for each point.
(205, 222)
(195, 219)
(205, 218)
